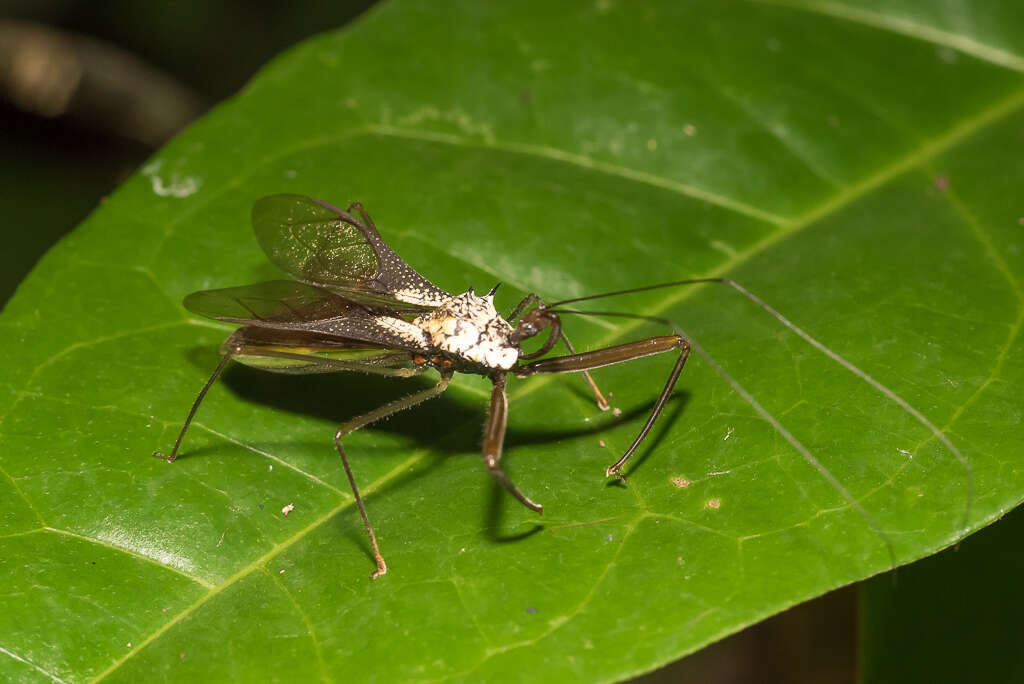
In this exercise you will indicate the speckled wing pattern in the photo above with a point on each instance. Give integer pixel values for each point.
(320, 244)
(290, 305)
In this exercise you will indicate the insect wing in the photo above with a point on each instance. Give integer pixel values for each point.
(323, 245)
(298, 352)
(268, 304)
(289, 305)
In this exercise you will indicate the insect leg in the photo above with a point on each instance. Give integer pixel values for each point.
(534, 298)
(619, 354)
(370, 417)
(358, 206)
(195, 407)
(494, 440)
(237, 347)
(602, 403)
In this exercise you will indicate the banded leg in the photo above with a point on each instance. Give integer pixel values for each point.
(618, 354)
(364, 420)
(494, 440)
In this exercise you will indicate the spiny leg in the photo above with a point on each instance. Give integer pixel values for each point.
(195, 407)
(371, 417)
(619, 354)
(494, 440)
(532, 298)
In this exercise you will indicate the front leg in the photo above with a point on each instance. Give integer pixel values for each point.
(550, 319)
(618, 354)
(494, 440)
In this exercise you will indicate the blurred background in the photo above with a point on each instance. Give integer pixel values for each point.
(88, 90)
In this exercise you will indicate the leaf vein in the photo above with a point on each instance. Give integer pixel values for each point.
(906, 27)
(35, 667)
(305, 619)
(583, 161)
(259, 563)
(560, 622)
(130, 552)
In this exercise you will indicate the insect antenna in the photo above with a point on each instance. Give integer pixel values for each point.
(835, 356)
(749, 398)
(900, 401)
(674, 283)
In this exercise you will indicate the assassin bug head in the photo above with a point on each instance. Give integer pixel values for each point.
(533, 323)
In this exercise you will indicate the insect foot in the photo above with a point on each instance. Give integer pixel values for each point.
(614, 471)
(382, 569)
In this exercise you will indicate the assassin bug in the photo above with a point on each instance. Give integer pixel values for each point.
(355, 305)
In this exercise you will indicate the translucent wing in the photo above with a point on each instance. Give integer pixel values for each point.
(320, 244)
(268, 304)
(287, 351)
(315, 312)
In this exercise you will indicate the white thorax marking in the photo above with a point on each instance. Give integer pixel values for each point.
(470, 328)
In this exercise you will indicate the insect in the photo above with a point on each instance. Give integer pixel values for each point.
(355, 305)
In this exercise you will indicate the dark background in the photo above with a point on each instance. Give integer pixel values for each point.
(90, 89)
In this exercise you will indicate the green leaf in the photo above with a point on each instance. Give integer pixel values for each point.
(856, 168)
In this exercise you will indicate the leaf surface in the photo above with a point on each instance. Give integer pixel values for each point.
(858, 173)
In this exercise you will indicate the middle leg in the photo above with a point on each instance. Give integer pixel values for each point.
(371, 417)
(494, 440)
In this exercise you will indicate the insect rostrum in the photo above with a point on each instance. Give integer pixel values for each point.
(355, 305)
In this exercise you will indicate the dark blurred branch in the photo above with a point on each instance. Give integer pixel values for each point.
(53, 73)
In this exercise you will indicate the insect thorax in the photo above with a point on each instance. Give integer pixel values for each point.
(470, 328)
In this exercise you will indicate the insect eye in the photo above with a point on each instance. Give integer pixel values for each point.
(524, 330)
